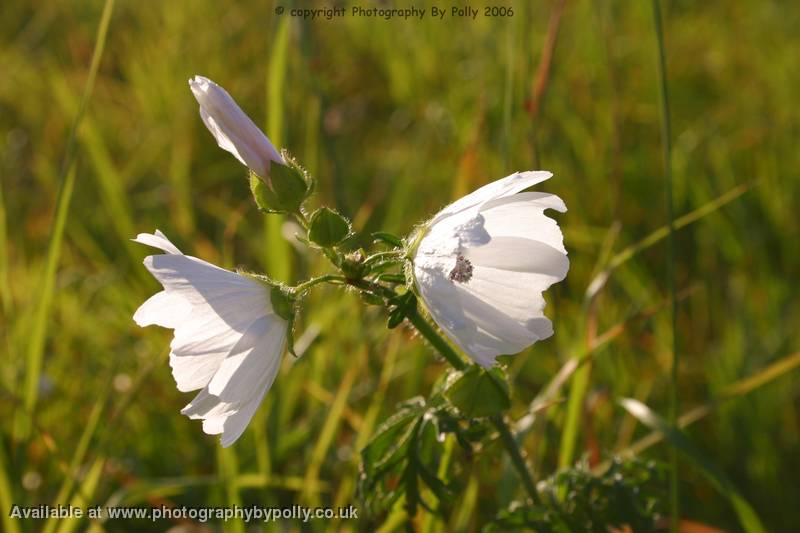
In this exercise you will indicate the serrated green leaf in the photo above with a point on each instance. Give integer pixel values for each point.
(391, 438)
(477, 392)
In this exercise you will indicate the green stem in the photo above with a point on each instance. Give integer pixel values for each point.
(512, 447)
(666, 140)
(431, 335)
(326, 278)
(516, 457)
(302, 219)
(397, 254)
(446, 350)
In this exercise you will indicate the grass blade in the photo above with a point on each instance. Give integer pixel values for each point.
(739, 388)
(660, 234)
(277, 251)
(73, 471)
(38, 335)
(680, 442)
(84, 496)
(6, 496)
(666, 143)
(44, 300)
(5, 287)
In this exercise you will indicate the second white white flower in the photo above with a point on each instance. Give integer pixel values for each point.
(483, 262)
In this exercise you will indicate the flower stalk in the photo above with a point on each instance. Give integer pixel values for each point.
(506, 437)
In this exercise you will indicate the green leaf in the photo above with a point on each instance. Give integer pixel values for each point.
(477, 392)
(327, 227)
(371, 299)
(392, 278)
(402, 304)
(387, 238)
(747, 515)
(391, 438)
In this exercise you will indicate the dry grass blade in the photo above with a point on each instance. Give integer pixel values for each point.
(547, 396)
(661, 233)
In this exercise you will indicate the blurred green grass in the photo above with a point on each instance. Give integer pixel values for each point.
(394, 119)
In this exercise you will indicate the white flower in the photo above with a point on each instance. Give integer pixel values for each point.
(228, 340)
(483, 261)
(232, 128)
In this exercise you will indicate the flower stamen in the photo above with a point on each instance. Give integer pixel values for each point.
(462, 272)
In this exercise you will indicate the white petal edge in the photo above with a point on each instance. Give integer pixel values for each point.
(157, 240)
(501, 188)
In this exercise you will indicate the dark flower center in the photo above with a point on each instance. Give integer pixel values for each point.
(462, 272)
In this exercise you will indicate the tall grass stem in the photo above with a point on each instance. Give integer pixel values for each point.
(666, 143)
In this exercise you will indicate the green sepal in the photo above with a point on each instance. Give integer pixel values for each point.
(284, 191)
(284, 303)
(327, 228)
(262, 194)
(289, 185)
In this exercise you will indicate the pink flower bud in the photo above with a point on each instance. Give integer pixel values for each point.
(232, 128)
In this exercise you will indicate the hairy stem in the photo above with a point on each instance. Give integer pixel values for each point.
(326, 278)
(446, 350)
(506, 437)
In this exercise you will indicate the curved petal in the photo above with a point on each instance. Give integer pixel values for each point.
(158, 240)
(522, 215)
(232, 296)
(251, 369)
(162, 309)
(228, 140)
(258, 353)
(521, 255)
(497, 189)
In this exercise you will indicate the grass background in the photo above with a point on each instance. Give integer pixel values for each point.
(394, 118)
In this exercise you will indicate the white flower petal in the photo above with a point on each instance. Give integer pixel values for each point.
(484, 263)
(228, 341)
(162, 309)
(158, 240)
(257, 354)
(199, 281)
(497, 189)
(522, 215)
(230, 419)
(521, 255)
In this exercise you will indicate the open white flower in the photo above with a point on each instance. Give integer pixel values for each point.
(228, 339)
(482, 264)
(232, 128)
